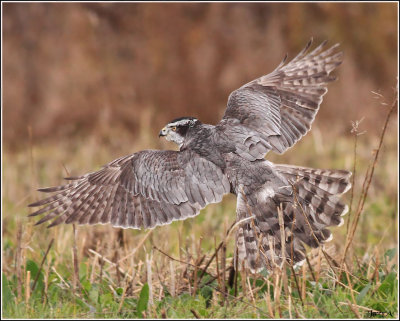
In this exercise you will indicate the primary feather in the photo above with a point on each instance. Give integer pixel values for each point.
(270, 113)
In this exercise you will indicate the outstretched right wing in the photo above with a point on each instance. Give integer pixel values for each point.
(274, 111)
(146, 189)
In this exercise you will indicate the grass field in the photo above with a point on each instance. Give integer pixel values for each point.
(102, 272)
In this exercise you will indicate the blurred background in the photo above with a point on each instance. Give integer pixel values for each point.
(85, 83)
(72, 70)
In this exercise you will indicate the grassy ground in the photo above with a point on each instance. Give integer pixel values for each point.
(113, 273)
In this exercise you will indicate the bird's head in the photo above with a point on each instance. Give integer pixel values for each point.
(176, 130)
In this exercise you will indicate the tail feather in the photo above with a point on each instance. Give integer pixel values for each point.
(313, 206)
(320, 189)
(335, 182)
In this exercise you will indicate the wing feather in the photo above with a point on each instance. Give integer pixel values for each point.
(146, 189)
(279, 108)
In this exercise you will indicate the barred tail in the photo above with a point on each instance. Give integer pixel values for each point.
(312, 207)
(319, 189)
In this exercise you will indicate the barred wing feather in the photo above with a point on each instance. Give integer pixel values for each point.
(274, 111)
(146, 189)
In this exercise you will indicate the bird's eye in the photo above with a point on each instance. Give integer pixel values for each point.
(173, 129)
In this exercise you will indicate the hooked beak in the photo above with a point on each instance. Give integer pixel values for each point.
(163, 132)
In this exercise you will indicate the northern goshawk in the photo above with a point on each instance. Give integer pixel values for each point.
(156, 187)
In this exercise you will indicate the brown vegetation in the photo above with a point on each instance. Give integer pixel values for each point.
(78, 69)
(86, 83)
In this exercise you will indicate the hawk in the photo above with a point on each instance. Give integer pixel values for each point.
(155, 187)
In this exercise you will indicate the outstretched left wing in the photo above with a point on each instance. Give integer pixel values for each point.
(146, 189)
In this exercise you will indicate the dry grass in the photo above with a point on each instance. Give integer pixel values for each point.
(116, 75)
(186, 269)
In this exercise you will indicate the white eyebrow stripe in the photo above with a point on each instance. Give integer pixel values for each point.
(183, 122)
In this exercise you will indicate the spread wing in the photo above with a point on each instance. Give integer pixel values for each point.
(274, 111)
(146, 189)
